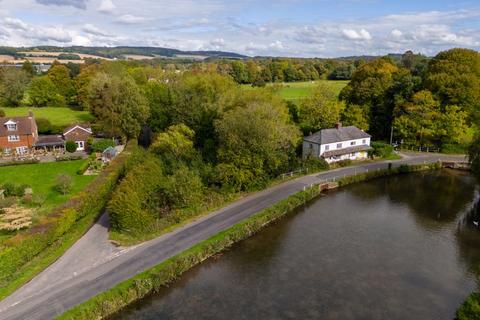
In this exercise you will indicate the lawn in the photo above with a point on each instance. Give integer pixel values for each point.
(41, 177)
(298, 90)
(59, 117)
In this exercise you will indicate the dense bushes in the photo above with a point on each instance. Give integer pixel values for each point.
(13, 190)
(132, 208)
(102, 144)
(70, 146)
(380, 150)
(25, 254)
(470, 309)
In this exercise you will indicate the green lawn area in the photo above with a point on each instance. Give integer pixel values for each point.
(298, 90)
(59, 117)
(41, 177)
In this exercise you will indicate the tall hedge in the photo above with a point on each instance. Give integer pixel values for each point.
(25, 251)
(129, 208)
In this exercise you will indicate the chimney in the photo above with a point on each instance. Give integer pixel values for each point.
(338, 125)
(30, 114)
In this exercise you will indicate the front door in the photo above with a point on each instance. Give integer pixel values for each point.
(80, 145)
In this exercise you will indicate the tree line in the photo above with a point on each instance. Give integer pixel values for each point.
(433, 102)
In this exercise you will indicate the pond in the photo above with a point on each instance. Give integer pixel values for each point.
(402, 247)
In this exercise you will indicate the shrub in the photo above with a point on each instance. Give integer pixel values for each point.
(343, 163)
(380, 150)
(70, 146)
(131, 208)
(14, 190)
(2, 113)
(315, 164)
(101, 145)
(184, 188)
(470, 309)
(44, 126)
(63, 183)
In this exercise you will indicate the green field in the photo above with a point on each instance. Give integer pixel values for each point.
(298, 90)
(59, 117)
(41, 177)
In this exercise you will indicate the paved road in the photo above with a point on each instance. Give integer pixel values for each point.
(82, 272)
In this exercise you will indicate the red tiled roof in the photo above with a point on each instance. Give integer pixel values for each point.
(25, 125)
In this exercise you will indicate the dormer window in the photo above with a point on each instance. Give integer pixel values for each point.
(11, 126)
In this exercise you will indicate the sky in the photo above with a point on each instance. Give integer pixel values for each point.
(294, 28)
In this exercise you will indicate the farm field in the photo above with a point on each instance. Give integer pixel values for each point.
(60, 117)
(41, 177)
(293, 91)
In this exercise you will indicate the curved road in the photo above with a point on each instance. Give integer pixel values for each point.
(93, 265)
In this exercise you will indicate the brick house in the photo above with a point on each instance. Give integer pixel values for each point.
(18, 135)
(79, 134)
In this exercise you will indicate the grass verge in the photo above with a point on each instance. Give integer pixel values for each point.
(152, 280)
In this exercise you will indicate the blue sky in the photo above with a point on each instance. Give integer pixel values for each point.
(303, 28)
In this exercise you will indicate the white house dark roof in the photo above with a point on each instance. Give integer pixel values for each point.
(337, 135)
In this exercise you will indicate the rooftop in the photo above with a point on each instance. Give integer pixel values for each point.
(337, 135)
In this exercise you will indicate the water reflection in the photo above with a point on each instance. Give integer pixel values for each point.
(395, 248)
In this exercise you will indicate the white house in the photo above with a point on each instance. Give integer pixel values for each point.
(339, 143)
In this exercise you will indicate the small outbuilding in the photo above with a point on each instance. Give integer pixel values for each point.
(78, 133)
(108, 154)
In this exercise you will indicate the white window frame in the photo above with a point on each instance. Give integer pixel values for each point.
(11, 127)
(22, 150)
(339, 145)
(13, 138)
(364, 141)
(327, 147)
(80, 145)
(353, 143)
(7, 151)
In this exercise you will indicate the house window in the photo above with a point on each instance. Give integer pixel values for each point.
(13, 138)
(7, 151)
(364, 141)
(353, 143)
(11, 126)
(311, 146)
(339, 146)
(22, 150)
(352, 154)
(327, 148)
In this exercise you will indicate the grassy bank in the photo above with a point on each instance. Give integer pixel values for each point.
(26, 254)
(150, 281)
(61, 117)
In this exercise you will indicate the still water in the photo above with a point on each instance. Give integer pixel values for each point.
(396, 248)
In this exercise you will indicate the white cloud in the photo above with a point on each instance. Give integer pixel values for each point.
(106, 6)
(16, 24)
(93, 30)
(351, 34)
(396, 33)
(131, 19)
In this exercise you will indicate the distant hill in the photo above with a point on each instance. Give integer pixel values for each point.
(123, 52)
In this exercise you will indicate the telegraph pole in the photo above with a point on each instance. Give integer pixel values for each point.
(391, 135)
